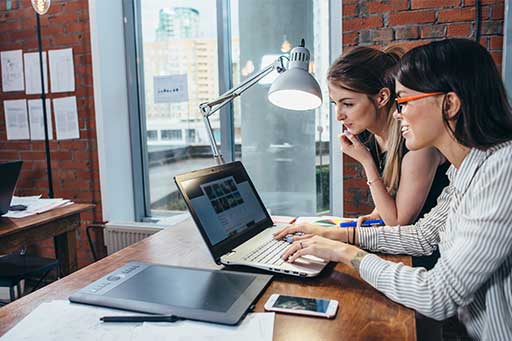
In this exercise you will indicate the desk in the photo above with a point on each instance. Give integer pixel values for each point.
(60, 223)
(364, 313)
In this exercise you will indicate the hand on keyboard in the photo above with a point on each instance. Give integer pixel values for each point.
(290, 237)
(304, 229)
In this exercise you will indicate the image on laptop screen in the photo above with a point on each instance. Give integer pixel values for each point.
(225, 203)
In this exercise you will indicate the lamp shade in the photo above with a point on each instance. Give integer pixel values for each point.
(41, 6)
(296, 88)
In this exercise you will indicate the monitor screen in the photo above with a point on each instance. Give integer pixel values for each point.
(225, 203)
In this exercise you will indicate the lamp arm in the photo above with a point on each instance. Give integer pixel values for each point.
(212, 107)
(209, 108)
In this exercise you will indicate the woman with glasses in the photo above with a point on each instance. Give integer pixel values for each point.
(449, 96)
(404, 185)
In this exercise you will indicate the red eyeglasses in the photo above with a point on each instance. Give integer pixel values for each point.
(400, 101)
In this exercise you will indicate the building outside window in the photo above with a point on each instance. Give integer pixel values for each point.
(191, 135)
(286, 153)
(152, 135)
(171, 135)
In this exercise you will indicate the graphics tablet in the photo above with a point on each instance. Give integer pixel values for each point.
(195, 294)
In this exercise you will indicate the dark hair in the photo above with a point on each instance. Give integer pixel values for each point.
(367, 70)
(466, 68)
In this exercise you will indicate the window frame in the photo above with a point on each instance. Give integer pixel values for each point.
(506, 67)
(137, 112)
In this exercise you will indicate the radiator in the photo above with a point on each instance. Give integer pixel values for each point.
(119, 235)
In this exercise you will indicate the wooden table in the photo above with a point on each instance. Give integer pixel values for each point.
(364, 313)
(60, 223)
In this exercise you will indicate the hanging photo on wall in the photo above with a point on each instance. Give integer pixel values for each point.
(62, 70)
(36, 119)
(33, 73)
(16, 121)
(12, 70)
(66, 118)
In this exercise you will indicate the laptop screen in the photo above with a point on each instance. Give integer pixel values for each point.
(9, 173)
(224, 201)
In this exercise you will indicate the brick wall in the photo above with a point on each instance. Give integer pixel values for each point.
(409, 23)
(74, 162)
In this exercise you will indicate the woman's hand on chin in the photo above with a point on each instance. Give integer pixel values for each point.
(353, 147)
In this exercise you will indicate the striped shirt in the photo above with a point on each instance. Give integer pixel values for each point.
(472, 226)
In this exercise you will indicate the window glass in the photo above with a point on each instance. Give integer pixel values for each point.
(180, 67)
(285, 152)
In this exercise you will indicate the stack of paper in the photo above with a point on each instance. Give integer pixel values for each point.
(35, 205)
(61, 320)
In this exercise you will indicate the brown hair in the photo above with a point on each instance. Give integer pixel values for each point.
(367, 70)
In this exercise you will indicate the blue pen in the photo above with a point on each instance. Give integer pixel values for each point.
(365, 223)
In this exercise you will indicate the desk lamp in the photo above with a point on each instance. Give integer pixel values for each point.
(293, 89)
(41, 7)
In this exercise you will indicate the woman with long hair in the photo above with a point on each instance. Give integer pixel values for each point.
(404, 184)
(449, 96)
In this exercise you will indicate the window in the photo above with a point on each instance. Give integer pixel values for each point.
(287, 154)
(174, 36)
(507, 55)
(152, 135)
(171, 135)
(191, 135)
(294, 176)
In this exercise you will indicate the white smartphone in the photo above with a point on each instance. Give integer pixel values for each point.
(302, 305)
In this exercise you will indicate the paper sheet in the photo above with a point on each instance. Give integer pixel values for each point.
(61, 320)
(62, 71)
(35, 205)
(33, 73)
(255, 327)
(35, 116)
(324, 220)
(170, 89)
(16, 119)
(66, 118)
(12, 70)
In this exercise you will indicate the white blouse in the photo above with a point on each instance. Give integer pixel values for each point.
(472, 226)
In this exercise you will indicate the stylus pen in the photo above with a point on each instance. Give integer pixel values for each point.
(365, 223)
(141, 318)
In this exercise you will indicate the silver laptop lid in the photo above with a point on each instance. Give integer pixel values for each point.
(224, 205)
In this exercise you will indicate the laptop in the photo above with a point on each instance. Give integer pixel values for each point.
(234, 223)
(9, 173)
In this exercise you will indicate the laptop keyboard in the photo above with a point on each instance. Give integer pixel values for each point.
(269, 252)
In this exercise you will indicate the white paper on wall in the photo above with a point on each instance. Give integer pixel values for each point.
(36, 119)
(62, 70)
(170, 89)
(33, 73)
(12, 70)
(66, 118)
(16, 120)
